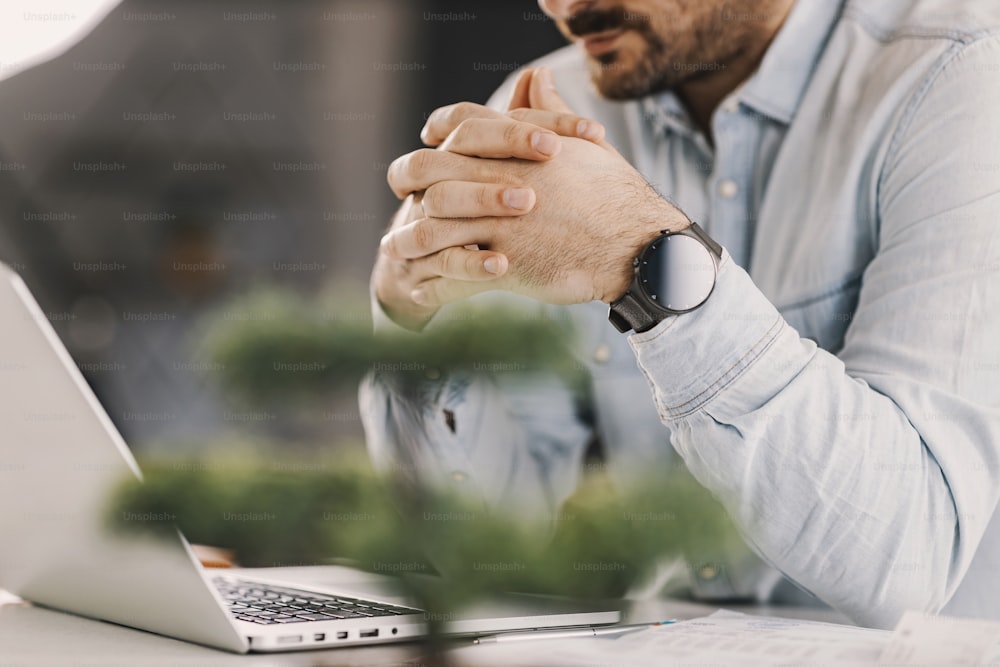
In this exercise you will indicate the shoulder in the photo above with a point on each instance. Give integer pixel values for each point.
(898, 55)
(890, 21)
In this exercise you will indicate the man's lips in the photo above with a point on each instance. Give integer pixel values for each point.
(601, 42)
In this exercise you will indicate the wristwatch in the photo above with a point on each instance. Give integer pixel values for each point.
(674, 274)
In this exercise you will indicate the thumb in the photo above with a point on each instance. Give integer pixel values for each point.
(520, 97)
(542, 92)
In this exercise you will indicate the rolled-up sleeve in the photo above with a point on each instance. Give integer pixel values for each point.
(867, 477)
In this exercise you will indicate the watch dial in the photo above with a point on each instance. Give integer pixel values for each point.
(677, 272)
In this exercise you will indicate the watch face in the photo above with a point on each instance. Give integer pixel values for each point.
(677, 272)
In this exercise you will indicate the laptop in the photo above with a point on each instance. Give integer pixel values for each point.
(61, 456)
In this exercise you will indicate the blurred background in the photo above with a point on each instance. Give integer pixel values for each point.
(182, 153)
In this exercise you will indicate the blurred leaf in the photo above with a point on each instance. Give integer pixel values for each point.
(273, 343)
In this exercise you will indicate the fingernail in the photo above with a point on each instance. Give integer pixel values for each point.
(545, 143)
(588, 130)
(519, 198)
(419, 296)
(492, 265)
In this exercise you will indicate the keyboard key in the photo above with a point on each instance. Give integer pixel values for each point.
(314, 617)
(357, 610)
(259, 621)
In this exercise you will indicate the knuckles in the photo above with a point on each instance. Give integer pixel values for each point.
(388, 246)
(434, 199)
(514, 134)
(423, 235)
(461, 111)
(449, 262)
(446, 119)
(464, 131)
(420, 160)
(486, 198)
(406, 167)
(392, 173)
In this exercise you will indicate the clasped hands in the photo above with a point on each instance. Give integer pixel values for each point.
(533, 201)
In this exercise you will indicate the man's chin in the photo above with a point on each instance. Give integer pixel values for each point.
(615, 81)
(620, 76)
(617, 74)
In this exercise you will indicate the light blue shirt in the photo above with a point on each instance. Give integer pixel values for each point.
(840, 390)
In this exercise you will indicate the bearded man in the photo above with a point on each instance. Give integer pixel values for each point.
(790, 212)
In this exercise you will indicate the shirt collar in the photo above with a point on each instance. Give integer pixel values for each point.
(777, 87)
(664, 111)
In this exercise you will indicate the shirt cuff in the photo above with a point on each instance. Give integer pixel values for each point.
(688, 359)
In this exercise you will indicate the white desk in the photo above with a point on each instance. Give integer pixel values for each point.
(34, 636)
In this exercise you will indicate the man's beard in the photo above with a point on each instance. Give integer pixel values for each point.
(624, 76)
(651, 73)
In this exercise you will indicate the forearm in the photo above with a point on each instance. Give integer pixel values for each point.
(828, 477)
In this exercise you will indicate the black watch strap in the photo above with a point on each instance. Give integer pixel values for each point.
(627, 314)
(706, 239)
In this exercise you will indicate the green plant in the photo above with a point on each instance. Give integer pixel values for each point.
(599, 544)
(283, 346)
(449, 549)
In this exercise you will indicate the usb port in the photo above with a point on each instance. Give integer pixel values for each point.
(319, 636)
(368, 633)
(341, 635)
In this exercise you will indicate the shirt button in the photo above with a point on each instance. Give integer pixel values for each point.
(458, 476)
(728, 189)
(708, 572)
(602, 353)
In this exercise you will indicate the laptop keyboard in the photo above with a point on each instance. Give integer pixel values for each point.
(270, 605)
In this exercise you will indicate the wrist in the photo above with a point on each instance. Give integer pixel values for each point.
(650, 222)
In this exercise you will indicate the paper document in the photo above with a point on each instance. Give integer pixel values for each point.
(941, 641)
(731, 638)
(724, 638)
